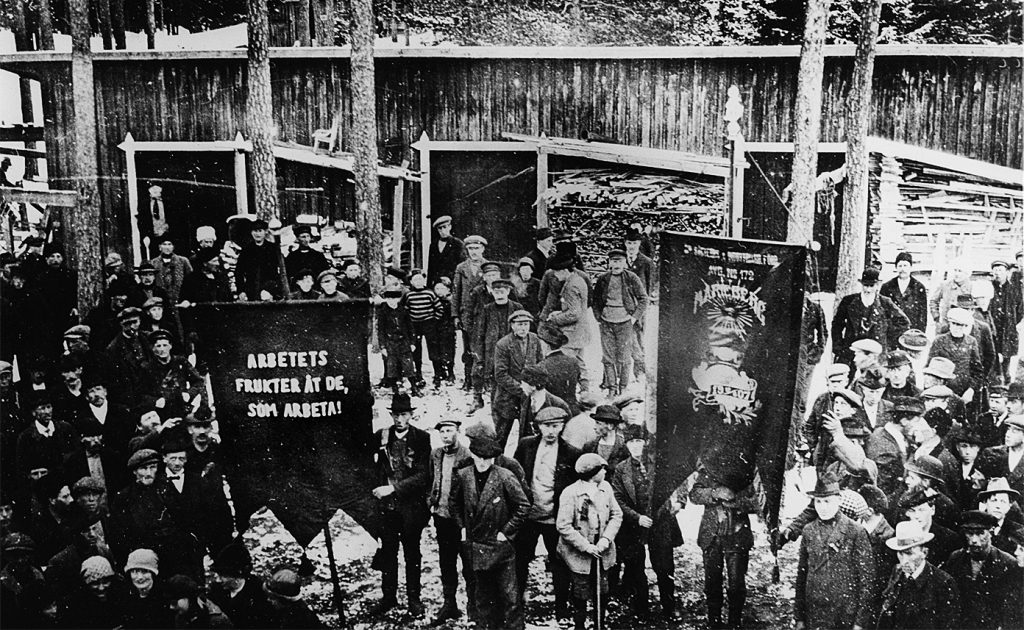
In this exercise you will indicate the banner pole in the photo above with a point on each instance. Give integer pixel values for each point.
(334, 573)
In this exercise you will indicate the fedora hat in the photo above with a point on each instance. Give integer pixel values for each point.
(607, 413)
(941, 367)
(826, 486)
(401, 403)
(908, 534)
(998, 485)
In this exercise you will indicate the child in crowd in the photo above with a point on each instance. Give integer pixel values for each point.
(396, 336)
(420, 304)
(441, 339)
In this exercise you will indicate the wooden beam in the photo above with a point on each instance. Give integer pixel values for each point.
(58, 198)
(128, 146)
(423, 147)
(25, 153)
(342, 161)
(241, 178)
(949, 161)
(542, 186)
(397, 225)
(196, 147)
(21, 133)
(472, 145)
(1008, 51)
(787, 147)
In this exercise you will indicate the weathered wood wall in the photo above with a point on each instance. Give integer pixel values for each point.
(963, 104)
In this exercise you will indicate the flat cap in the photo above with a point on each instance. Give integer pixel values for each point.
(160, 335)
(551, 335)
(534, 375)
(80, 331)
(442, 220)
(490, 265)
(475, 239)
(502, 283)
(1000, 263)
(937, 391)
(153, 301)
(588, 463)
(143, 457)
(146, 267)
(617, 253)
(525, 261)
(327, 273)
(550, 415)
(521, 315)
(976, 519)
(850, 396)
(132, 312)
(837, 369)
(960, 316)
(88, 485)
(206, 233)
(907, 406)
(867, 345)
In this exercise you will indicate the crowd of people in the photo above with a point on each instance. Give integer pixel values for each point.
(113, 492)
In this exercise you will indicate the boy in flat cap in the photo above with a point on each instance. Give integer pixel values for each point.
(492, 322)
(512, 354)
(588, 520)
(620, 303)
(984, 575)
(168, 381)
(395, 331)
(446, 252)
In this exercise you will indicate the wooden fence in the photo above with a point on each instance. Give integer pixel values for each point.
(963, 100)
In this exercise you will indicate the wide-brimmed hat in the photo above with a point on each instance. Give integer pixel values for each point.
(926, 466)
(908, 534)
(561, 261)
(607, 413)
(998, 485)
(913, 340)
(941, 367)
(401, 403)
(826, 486)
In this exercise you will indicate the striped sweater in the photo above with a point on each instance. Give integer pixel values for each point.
(420, 304)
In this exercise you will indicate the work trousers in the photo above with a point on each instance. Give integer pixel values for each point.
(617, 342)
(635, 586)
(498, 602)
(404, 531)
(716, 562)
(639, 360)
(526, 546)
(449, 548)
(421, 331)
(467, 357)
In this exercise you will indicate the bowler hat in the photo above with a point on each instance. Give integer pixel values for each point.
(941, 367)
(233, 560)
(175, 443)
(607, 413)
(827, 485)
(143, 457)
(633, 234)
(896, 358)
(401, 403)
(520, 316)
(913, 340)
(900, 257)
(284, 584)
(587, 463)
(973, 520)
(908, 534)
(442, 220)
(926, 466)
(869, 277)
(551, 335)
(998, 485)
(550, 415)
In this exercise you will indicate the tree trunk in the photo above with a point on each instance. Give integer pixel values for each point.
(85, 218)
(46, 25)
(117, 23)
(259, 115)
(103, 13)
(364, 144)
(807, 123)
(303, 25)
(853, 238)
(151, 24)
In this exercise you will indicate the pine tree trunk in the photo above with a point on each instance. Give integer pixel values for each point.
(87, 254)
(364, 144)
(151, 24)
(46, 25)
(103, 14)
(259, 115)
(853, 238)
(807, 123)
(117, 23)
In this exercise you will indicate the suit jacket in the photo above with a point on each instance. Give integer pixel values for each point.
(171, 275)
(510, 358)
(204, 509)
(724, 523)
(882, 448)
(442, 263)
(835, 575)
(571, 316)
(643, 267)
(565, 464)
(619, 452)
(563, 378)
(490, 324)
(260, 268)
(36, 451)
(883, 321)
(501, 506)
(634, 497)
(913, 303)
(988, 599)
(995, 462)
(462, 458)
(582, 520)
(1007, 308)
(467, 277)
(411, 479)
(540, 262)
(929, 602)
(634, 295)
(966, 356)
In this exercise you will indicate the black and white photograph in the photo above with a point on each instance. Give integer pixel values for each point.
(512, 314)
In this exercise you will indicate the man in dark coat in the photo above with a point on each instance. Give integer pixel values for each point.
(403, 470)
(563, 371)
(258, 273)
(125, 356)
(169, 382)
(907, 292)
(984, 576)
(888, 445)
(467, 276)
(1007, 308)
(609, 442)
(533, 382)
(866, 315)
(645, 527)
(545, 245)
(491, 322)
(489, 504)
(303, 256)
(55, 288)
(102, 320)
(235, 590)
(204, 508)
(962, 349)
(919, 595)
(549, 463)
(45, 442)
(1007, 459)
(445, 462)
(446, 252)
(637, 262)
(512, 353)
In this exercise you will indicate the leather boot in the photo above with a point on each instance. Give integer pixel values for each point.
(450, 610)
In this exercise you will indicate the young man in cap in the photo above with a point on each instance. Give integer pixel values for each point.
(81, 536)
(608, 442)
(235, 590)
(984, 575)
(403, 477)
(871, 385)
(526, 287)
(168, 381)
(202, 445)
(445, 461)
(327, 283)
(960, 347)
(967, 441)
(468, 274)
(636, 261)
(1007, 459)
(919, 504)
(512, 354)
(570, 316)
(446, 252)
(981, 328)
(898, 376)
(353, 284)
(204, 508)
(888, 446)
(929, 438)
(620, 303)
(837, 377)
(645, 527)
(45, 442)
(286, 608)
(866, 315)
(260, 269)
(171, 268)
(207, 283)
(542, 250)
(919, 594)
(907, 292)
(834, 574)
(155, 316)
(305, 287)
(303, 256)
(489, 507)
(879, 531)
(563, 371)
(1007, 309)
(125, 356)
(548, 462)
(491, 322)
(725, 540)
(866, 355)
(533, 382)
(588, 519)
(148, 286)
(102, 320)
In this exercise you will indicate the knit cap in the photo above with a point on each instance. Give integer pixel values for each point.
(145, 559)
(852, 504)
(95, 569)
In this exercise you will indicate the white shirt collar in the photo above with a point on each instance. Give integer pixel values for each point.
(897, 433)
(100, 413)
(918, 571)
(46, 431)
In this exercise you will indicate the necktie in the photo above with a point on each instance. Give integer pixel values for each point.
(156, 209)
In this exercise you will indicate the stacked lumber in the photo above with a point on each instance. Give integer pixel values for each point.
(598, 205)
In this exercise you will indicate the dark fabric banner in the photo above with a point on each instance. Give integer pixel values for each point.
(728, 346)
(292, 393)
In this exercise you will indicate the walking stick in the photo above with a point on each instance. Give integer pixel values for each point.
(598, 617)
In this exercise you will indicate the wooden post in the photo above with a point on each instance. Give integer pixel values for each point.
(103, 18)
(397, 224)
(241, 183)
(128, 146)
(425, 217)
(542, 183)
(853, 231)
(259, 115)
(737, 160)
(150, 24)
(45, 25)
(807, 124)
(117, 23)
(335, 582)
(85, 219)
(303, 26)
